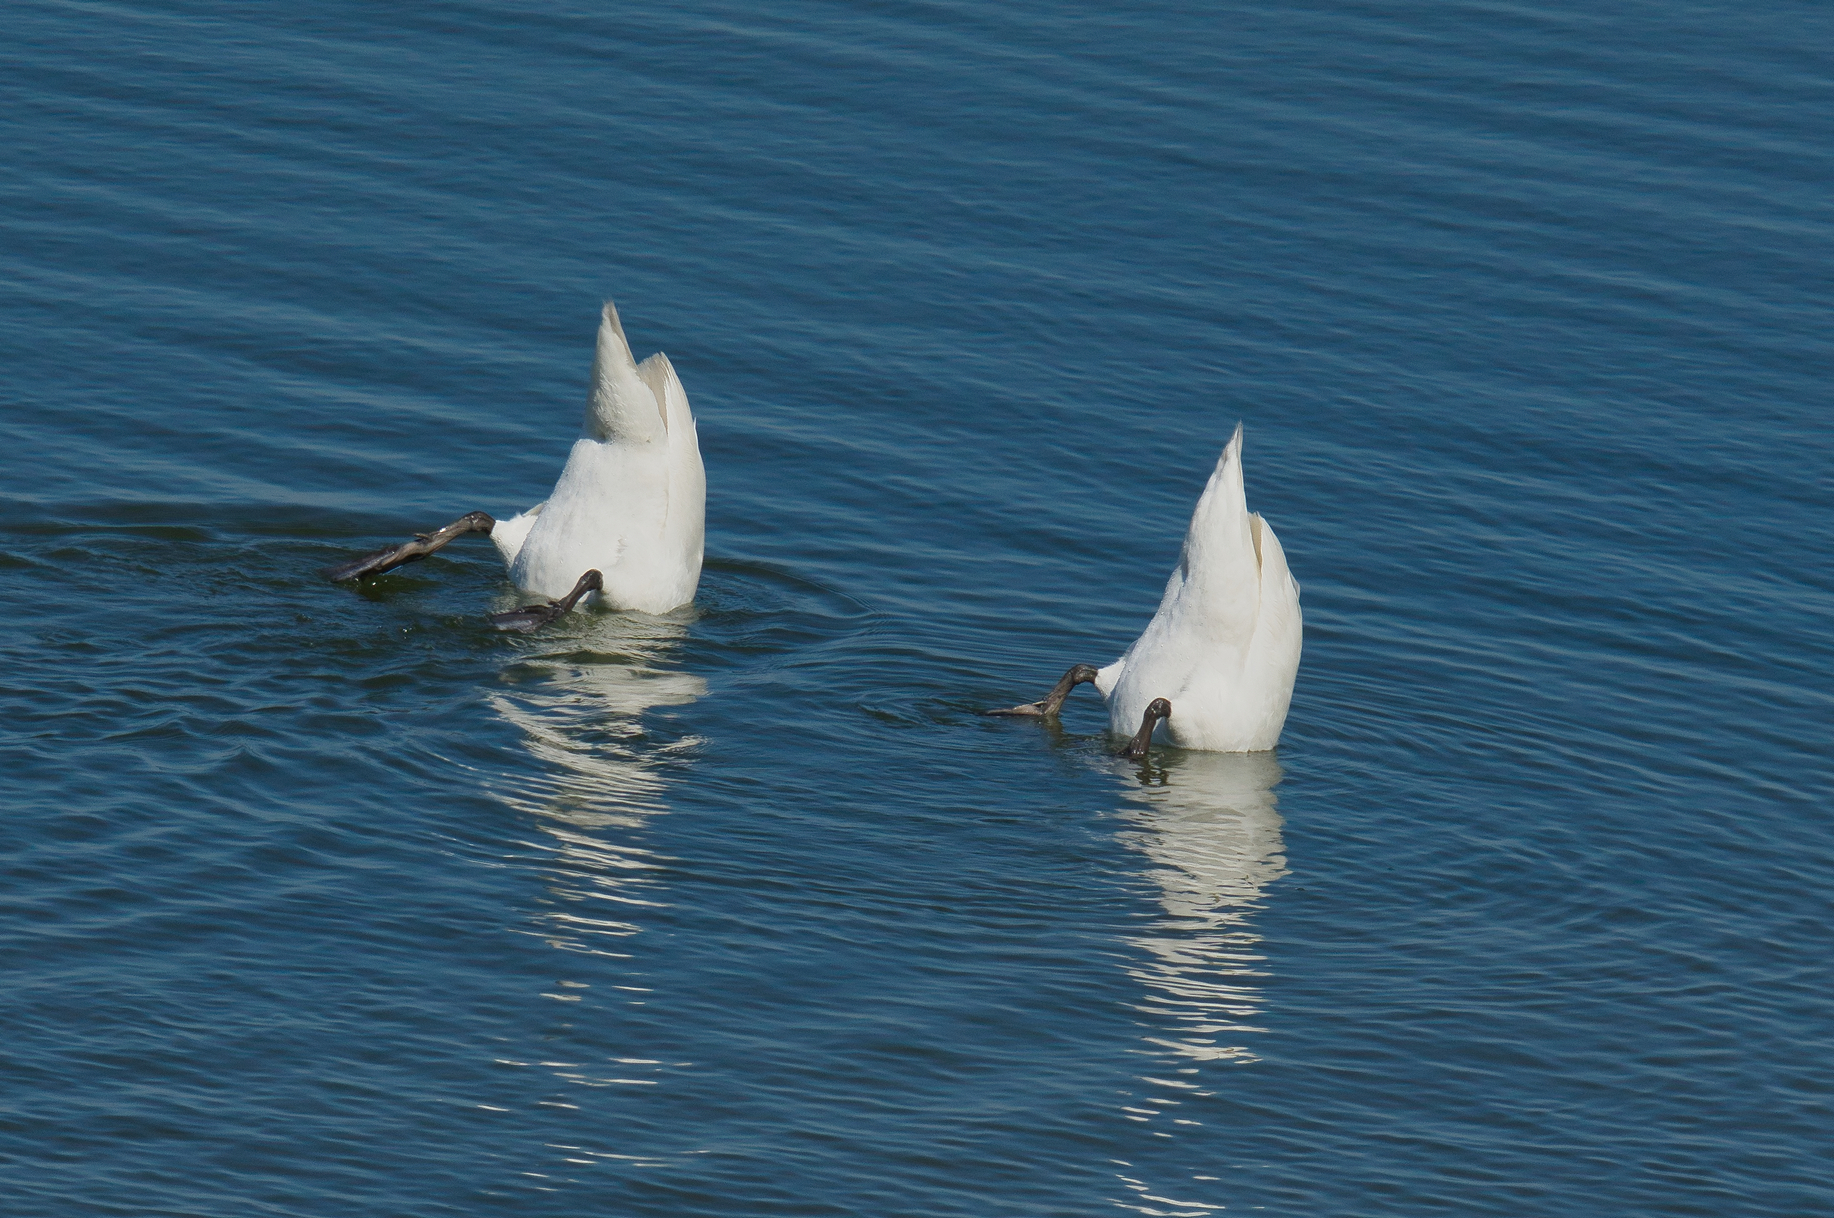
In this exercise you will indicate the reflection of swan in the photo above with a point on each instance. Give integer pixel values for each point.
(1223, 647)
(581, 716)
(580, 705)
(1208, 824)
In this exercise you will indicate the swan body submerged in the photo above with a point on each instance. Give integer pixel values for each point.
(625, 523)
(1224, 646)
(632, 499)
(1217, 663)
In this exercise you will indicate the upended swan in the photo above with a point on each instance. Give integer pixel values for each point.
(1217, 662)
(626, 523)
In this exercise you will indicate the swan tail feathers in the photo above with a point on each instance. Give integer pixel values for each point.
(609, 320)
(1220, 527)
(1270, 555)
(622, 406)
(1227, 491)
(685, 516)
(671, 398)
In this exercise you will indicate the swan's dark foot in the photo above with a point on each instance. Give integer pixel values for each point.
(1052, 702)
(390, 557)
(533, 617)
(1156, 710)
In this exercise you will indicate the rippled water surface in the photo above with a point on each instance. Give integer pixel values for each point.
(323, 902)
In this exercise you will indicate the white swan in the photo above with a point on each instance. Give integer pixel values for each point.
(1218, 660)
(626, 522)
(632, 500)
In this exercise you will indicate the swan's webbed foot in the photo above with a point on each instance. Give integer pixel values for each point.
(533, 617)
(1156, 710)
(1052, 702)
(390, 557)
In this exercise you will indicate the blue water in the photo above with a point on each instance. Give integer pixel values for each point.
(323, 902)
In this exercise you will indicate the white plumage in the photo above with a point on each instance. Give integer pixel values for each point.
(632, 500)
(1224, 646)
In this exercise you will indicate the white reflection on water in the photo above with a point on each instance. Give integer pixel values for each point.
(580, 709)
(1207, 823)
(579, 702)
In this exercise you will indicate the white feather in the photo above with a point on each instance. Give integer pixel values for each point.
(1224, 646)
(632, 499)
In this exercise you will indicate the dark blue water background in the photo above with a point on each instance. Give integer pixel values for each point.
(322, 902)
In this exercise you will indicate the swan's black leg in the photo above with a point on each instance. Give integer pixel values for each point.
(1052, 702)
(390, 557)
(531, 617)
(1156, 710)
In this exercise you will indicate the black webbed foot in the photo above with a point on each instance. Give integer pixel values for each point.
(1156, 710)
(533, 617)
(1052, 702)
(388, 558)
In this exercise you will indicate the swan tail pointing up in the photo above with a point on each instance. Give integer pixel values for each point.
(678, 419)
(1224, 645)
(623, 407)
(1211, 594)
(1272, 661)
(1220, 531)
(658, 374)
(1217, 580)
(684, 526)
